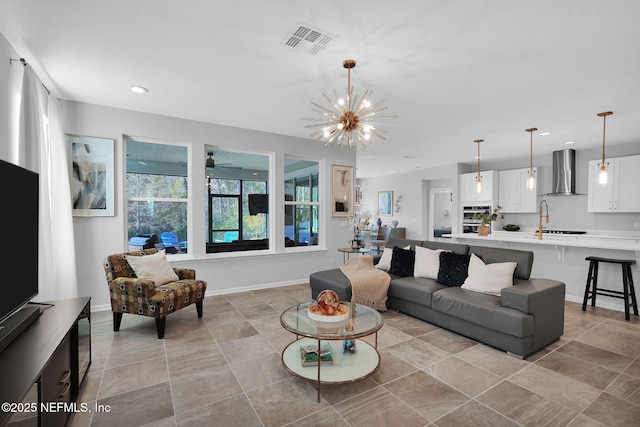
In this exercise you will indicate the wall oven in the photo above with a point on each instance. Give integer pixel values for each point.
(469, 223)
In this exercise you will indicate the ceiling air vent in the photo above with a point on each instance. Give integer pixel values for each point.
(307, 39)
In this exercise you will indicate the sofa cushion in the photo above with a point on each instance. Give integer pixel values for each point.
(415, 289)
(482, 309)
(453, 268)
(427, 262)
(488, 278)
(153, 267)
(384, 263)
(402, 262)
(523, 258)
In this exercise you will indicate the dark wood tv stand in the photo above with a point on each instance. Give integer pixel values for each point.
(54, 352)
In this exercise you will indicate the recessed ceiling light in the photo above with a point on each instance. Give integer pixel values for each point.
(138, 89)
(569, 142)
(544, 133)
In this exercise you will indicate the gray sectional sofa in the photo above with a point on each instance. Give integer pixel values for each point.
(525, 317)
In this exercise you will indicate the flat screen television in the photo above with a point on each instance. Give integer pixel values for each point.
(19, 247)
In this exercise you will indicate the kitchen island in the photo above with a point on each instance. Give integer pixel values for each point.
(562, 257)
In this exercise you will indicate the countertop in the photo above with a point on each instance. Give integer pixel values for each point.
(629, 242)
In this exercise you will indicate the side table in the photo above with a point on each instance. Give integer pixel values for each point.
(346, 252)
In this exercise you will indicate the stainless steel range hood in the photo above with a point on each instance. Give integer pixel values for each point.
(564, 173)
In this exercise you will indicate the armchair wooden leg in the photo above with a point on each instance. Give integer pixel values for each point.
(160, 322)
(199, 308)
(117, 319)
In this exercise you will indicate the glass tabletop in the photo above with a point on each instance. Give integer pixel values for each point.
(364, 321)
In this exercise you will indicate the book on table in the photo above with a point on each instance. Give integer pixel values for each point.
(309, 354)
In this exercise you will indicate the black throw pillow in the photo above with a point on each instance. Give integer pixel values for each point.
(402, 262)
(453, 268)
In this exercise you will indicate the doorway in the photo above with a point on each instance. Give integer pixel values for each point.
(440, 212)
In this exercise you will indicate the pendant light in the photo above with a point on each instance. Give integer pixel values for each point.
(479, 177)
(603, 176)
(531, 180)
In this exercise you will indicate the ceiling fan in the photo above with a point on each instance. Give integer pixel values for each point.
(211, 163)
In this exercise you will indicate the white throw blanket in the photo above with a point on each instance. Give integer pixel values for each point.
(369, 285)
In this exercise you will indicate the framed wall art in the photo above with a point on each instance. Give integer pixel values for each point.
(342, 182)
(385, 203)
(91, 174)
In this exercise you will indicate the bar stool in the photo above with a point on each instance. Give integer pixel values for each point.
(627, 284)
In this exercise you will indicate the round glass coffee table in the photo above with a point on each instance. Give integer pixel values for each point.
(357, 361)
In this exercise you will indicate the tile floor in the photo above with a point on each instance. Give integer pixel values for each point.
(225, 370)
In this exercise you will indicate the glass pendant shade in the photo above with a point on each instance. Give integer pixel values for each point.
(603, 176)
(531, 180)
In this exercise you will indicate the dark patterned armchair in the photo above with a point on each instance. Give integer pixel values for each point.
(130, 294)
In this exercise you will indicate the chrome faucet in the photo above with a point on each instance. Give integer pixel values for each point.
(546, 217)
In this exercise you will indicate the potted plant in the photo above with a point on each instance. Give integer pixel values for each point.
(485, 220)
(359, 222)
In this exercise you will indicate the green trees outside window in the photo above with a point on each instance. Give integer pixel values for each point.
(157, 194)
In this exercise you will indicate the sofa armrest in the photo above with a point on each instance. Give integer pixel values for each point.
(531, 296)
(544, 300)
(185, 273)
(132, 286)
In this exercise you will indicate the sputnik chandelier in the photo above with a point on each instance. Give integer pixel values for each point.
(351, 121)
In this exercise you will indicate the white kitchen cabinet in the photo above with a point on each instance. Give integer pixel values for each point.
(621, 192)
(514, 195)
(468, 188)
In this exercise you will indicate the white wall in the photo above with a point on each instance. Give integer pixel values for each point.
(97, 237)
(414, 187)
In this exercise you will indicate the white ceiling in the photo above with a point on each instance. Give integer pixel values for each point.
(454, 71)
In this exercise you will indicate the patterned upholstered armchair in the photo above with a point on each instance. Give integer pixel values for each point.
(130, 294)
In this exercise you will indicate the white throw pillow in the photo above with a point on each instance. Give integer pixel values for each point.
(489, 278)
(385, 260)
(153, 267)
(427, 262)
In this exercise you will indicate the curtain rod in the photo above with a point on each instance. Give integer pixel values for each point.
(24, 62)
(21, 60)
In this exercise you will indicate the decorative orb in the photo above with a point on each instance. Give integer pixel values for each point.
(328, 302)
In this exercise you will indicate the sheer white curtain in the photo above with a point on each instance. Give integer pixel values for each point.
(42, 149)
